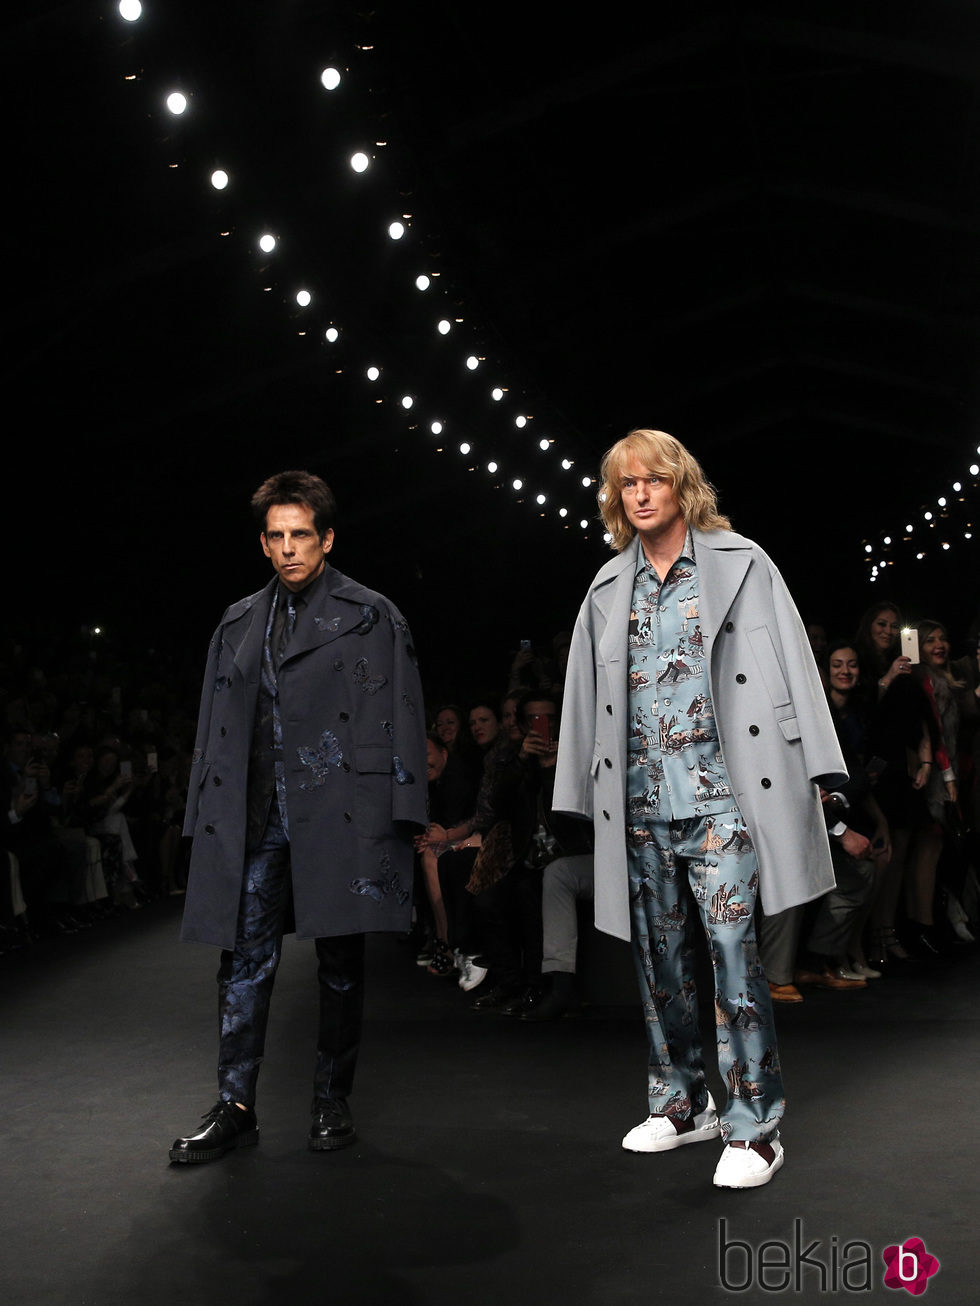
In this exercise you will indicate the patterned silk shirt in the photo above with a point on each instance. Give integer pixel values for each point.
(675, 767)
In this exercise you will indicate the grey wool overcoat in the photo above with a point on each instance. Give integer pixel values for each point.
(353, 733)
(776, 733)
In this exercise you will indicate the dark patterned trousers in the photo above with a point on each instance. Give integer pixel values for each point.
(246, 976)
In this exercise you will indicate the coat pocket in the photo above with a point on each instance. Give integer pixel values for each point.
(372, 791)
(764, 652)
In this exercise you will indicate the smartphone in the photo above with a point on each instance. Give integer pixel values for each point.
(30, 785)
(910, 644)
(126, 770)
(541, 725)
(525, 645)
(151, 762)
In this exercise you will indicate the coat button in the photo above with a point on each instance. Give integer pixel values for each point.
(217, 780)
(753, 730)
(348, 818)
(766, 782)
(338, 665)
(346, 766)
(605, 814)
(607, 762)
(223, 732)
(345, 716)
(729, 625)
(209, 829)
(609, 708)
(740, 679)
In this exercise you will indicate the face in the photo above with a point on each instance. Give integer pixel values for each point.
(884, 630)
(447, 725)
(818, 639)
(843, 670)
(483, 726)
(934, 649)
(82, 759)
(508, 720)
(435, 760)
(290, 540)
(649, 502)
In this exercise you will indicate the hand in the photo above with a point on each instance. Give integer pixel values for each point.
(881, 846)
(951, 790)
(855, 845)
(922, 775)
(902, 666)
(534, 746)
(23, 802)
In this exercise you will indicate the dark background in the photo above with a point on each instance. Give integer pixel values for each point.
(753, 225)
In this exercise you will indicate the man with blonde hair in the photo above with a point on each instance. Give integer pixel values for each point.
(695, 736)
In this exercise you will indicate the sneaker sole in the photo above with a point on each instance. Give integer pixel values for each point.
(757, 1180)
(679, 1140)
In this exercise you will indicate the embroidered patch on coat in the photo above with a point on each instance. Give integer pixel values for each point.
(369, 619)
(320, 758)
(402, 777)
(379, 889)
(370, 684)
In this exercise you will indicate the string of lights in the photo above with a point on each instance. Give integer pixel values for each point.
(930, 532)
(506, 445)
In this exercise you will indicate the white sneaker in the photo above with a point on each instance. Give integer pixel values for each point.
(470, 974)
(741, 1167)
(657, 1133)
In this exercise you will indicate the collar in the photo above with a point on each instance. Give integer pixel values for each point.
(686, 553)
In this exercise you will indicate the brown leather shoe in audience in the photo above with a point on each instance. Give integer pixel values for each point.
(784, 992)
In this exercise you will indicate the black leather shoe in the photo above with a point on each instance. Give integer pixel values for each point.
(225, 1126)
(332, 1126)
(496, 998)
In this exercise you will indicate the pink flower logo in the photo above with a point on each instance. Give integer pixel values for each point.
(909, 1266)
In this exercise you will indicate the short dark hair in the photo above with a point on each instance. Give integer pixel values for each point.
(296, 487)
(537, 696)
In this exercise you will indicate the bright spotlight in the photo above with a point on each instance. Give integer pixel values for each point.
(330, 79)
(544, 444)
(542, 498)
(267, 243)
(422, 282)
(360, 161)
(219, 179)
(396, 230)
(491, 468)
(332, 335)
(518, 484)
(304, 298)
(373, 373)
(444, 327)
(131, 10)
(584, 524)
(464, 447)
(586, 480)
(472, 362)
(407, 401)
(520, 422)
(497, 393)
(436, 428)
(176, 103)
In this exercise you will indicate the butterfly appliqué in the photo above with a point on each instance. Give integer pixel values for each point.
(320, 758)
(370, 684)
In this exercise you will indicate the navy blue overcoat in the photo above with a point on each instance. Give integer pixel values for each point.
(353, 730)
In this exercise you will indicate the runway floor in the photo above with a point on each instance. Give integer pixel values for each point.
(488, 1171)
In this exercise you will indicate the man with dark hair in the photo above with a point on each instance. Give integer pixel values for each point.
(702, 784)
(308, 783)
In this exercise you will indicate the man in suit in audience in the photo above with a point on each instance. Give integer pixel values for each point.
(307, 787)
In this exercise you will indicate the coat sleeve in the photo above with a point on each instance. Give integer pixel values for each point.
(199, 760)
(576, 739)
(821, 748)
(409, 764)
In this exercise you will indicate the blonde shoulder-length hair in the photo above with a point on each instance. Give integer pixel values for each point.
(661, 455)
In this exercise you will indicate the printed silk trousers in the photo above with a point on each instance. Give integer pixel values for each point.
(715, 856)
(247, 974)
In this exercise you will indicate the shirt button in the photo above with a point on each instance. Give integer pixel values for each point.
(740, 679)
(753, 730)
(766, 782)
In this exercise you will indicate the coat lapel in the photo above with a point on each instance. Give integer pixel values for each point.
(614, 600)
(339, 608)
(723, 559)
